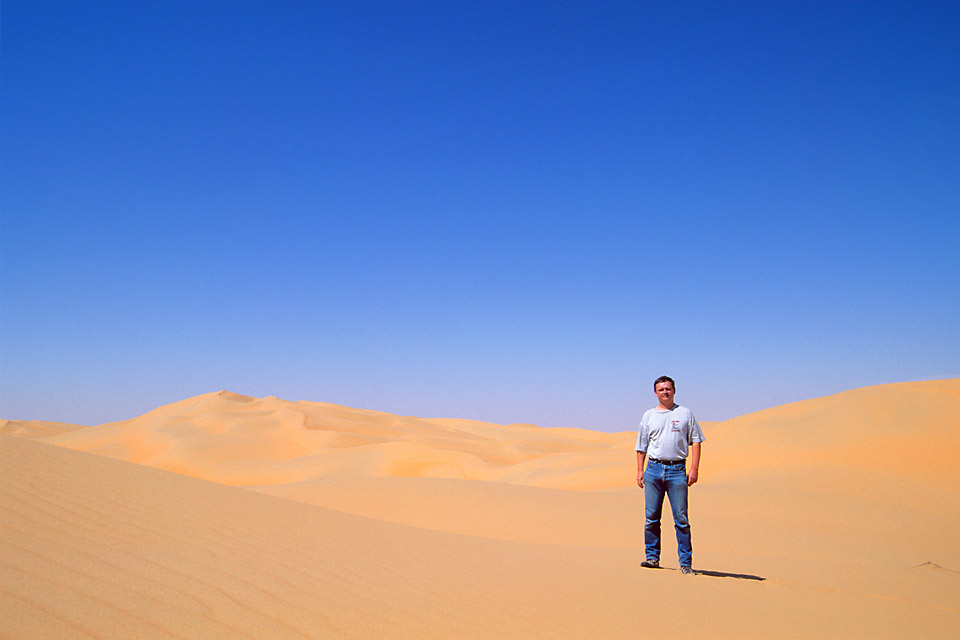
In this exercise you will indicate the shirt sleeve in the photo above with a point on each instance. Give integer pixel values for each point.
(696, 434)
(643, 436)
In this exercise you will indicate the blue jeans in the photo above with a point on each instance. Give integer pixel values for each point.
(670, 480)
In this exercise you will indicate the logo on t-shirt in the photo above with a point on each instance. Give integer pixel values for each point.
(675, 426)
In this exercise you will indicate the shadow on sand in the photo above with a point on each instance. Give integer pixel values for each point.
(722, 574)
(714, 574)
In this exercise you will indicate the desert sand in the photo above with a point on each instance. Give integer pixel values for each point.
(226, 516)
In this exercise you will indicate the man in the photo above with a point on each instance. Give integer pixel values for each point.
(670, 434)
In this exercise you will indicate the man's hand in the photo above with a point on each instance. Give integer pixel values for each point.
(692, 477)
(640, 480)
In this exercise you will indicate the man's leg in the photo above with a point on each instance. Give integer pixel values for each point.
(653, 492)
(676, 488)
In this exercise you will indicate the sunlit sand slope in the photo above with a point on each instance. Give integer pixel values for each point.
(871, 429)
(92, 547)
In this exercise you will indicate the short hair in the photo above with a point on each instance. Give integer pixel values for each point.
(664, 379)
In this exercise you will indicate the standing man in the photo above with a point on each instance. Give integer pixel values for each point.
(669, 433)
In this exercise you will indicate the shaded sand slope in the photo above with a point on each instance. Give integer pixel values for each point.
(99, 548)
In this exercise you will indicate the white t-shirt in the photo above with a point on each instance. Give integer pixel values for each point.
(667, 435)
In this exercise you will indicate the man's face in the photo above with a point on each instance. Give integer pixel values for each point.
(665, 391)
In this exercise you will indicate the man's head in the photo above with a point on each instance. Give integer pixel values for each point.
(664, 387)
(673, 385)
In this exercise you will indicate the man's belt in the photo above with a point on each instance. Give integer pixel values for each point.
(667, 462)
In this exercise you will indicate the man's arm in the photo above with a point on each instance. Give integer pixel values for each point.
(641, 455)
(694, 464)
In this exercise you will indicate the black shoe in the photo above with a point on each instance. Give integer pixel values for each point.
(650, 564)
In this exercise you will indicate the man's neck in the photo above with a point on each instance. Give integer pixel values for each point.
(663, 408)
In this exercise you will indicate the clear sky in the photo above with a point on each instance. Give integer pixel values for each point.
(509, 211)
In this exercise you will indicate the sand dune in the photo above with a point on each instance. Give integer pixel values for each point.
(807, 522)
(238, 440)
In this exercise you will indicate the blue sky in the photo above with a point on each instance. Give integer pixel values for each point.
(514, 212)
